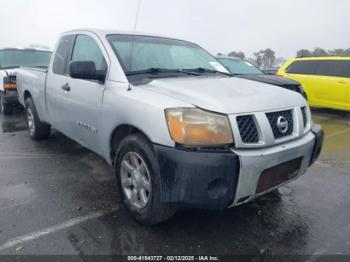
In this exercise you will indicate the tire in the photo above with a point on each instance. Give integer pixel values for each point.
(6, 109)
(37, 129)
(136, 148)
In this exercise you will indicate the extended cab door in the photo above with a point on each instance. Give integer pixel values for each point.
(83, 98)
(56, 78)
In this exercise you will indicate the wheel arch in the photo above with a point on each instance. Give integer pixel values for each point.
(119, 133)
(26, 95)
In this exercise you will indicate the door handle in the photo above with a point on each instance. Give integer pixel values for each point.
(66, 87)
(342, 82)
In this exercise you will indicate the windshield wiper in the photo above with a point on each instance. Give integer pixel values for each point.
(237, 74)
(206, 70)
(154, 70)
(40, 66)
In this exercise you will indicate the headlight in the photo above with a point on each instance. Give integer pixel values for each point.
(192, 126)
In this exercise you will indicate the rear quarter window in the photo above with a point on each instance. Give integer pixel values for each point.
(336, 68)
(306, 67)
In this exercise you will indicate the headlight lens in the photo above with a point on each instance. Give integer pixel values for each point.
(193, 126)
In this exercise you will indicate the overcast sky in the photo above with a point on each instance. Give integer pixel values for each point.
(217, 25)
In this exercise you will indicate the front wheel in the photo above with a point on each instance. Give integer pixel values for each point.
(137, 172)
(37, 129)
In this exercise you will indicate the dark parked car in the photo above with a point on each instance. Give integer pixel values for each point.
(270, 70)
(246, 70)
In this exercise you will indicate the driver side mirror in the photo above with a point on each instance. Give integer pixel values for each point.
(85, 70)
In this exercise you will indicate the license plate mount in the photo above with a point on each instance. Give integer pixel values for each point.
(279, 174)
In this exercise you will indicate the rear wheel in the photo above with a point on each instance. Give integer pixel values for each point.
(37, 129)
(137, 172)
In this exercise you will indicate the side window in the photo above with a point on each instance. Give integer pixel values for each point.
(326, 68)
(86, 49)
(306, 67)
(337, 68)
(62, 55)
(344, 68)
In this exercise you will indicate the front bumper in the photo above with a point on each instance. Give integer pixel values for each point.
(217, 180)
(255, 162)
(198, 179)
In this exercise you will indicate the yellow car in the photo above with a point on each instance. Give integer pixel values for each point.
(326, 80)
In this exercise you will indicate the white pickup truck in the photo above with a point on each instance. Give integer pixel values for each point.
(10, 60)
(176, 126)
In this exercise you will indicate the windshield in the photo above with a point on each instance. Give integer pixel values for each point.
(240, 67)
(30, 58)
(140, 53)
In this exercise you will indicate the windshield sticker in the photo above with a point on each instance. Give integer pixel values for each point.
(219, 67)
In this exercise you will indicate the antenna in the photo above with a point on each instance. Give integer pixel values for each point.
(137, 16)
(133, 33)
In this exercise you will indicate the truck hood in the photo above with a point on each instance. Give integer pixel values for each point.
(228, 95)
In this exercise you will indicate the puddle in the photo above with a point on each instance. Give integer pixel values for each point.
(13, 123)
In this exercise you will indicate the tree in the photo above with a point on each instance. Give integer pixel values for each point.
(303, 53)
(336, 52)
(239, 54)
(347, 52)
(258, 58)
(265, 58)
(269, 58)
(339, 52)
(319, 52)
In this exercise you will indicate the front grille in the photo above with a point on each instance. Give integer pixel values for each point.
(303, 111)
(281, 123)
(248, 130)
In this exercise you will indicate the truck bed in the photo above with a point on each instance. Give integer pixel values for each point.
(33, 80)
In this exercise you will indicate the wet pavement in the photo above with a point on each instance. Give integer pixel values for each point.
(59, 198)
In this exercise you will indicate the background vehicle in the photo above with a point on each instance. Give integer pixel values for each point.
(176, 126)
(270, 70)
(244, 69)
(10, 60)
(326, 80)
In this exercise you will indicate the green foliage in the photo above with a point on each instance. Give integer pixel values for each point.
(322, 52)
(239, 54)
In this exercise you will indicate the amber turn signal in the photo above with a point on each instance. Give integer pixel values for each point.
(10, 86)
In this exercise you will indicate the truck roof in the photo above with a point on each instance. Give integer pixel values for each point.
(104, 32)
(29, 49)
